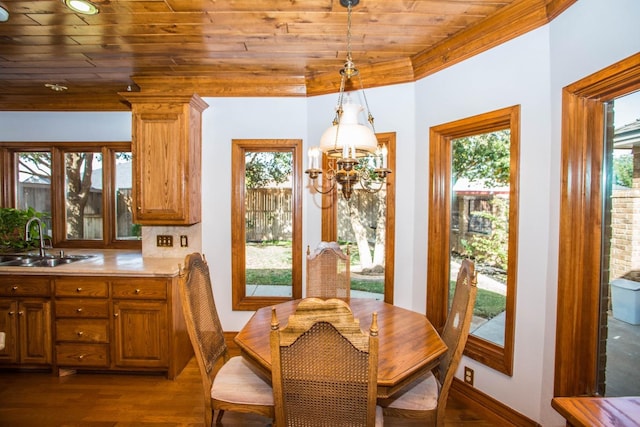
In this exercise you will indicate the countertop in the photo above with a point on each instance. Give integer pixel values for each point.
(105, 263)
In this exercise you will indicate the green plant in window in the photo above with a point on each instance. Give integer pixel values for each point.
(12, 223)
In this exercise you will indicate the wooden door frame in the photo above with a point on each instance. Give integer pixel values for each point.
(581, 222)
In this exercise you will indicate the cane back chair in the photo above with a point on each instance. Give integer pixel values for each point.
(328, 272)
(228, 383)
(324, 368)
(427, 399)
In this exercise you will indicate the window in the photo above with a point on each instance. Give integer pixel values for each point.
(477, 206)
(266, 224)
(579, 311)
(74, 185)
(480, 211)
(376, 213)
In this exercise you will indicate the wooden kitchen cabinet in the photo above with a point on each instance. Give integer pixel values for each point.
(140, 338)
(166, 148)
(120, 324)
(82, 323)
(25, 317)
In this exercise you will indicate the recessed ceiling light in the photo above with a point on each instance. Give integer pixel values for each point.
(55, 87)
(4, 13)
(81, 6)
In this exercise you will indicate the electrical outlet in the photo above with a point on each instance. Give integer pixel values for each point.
(164, 241)
(468, 375)
(184, 241)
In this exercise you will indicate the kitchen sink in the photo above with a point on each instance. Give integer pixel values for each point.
(28, 260)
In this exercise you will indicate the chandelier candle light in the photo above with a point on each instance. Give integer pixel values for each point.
(347, 140)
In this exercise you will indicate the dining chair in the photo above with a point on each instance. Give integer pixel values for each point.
(324, 367)
(426, 400)
(328, 272)
(228, 383)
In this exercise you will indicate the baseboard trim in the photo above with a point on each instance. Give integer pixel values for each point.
(488, 407)
(234, 350)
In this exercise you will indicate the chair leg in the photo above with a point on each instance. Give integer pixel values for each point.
(219, 417)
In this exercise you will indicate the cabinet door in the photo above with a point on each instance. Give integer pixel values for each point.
(166, 150)
(158, 150)
(9, 325)
(34, 323)
(140, 334)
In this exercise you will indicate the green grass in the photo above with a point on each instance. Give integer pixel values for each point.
(269, 276)
(282, 277)
(488, 304)
(375, 286)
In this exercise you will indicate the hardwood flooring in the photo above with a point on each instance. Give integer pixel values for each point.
(106, 400)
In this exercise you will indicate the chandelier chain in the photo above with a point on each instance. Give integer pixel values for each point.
(346, 169)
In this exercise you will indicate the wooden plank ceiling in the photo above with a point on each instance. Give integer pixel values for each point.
(239, 47)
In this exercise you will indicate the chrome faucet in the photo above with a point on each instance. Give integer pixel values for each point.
(27, 236)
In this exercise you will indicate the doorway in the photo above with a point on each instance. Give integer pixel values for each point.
(619, 347)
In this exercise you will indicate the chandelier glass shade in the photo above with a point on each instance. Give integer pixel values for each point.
(4, 13)
(354, 154)
(340, 140)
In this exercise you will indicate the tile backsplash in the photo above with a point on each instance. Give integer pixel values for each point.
(193, 235)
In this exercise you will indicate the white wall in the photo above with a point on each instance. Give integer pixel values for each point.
(530, 70)
(224, 120)
(588, 37)
(516, 73)
(241, 118)
(60, 126)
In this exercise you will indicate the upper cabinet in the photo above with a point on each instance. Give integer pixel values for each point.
(166, 150)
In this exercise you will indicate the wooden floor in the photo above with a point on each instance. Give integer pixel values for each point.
(101, 400)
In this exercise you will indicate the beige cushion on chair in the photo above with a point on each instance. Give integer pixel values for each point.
(422, 396)
(236, 382)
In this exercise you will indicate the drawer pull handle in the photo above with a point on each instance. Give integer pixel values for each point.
(14, 288)
(80, 356)
(20, 313)
(80, 333)
(79, 310)
(78, 290)
(115, 314)
(11, 313)
(137, 291)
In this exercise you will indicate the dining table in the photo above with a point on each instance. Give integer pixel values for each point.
(409, 347)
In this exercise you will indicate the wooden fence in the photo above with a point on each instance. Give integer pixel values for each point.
(268, 214)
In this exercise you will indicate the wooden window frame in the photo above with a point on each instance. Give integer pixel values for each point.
(329, 231)
(581, 222)
(240, 300)
(497, 357)
(57, 150)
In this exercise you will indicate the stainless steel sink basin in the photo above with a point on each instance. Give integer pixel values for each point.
(27, 260)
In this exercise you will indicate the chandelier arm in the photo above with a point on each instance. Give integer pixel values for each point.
(314, 184)
(365, 186)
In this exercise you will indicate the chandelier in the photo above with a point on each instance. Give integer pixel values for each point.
(352, 148)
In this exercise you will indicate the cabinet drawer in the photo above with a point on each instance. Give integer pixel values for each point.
(85, 288)
(91, 355)
(82, 330)
(139, 289)
(82, 308)
(24, 286)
